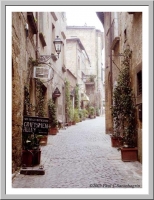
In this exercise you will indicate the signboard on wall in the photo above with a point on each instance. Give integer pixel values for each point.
(37, 125)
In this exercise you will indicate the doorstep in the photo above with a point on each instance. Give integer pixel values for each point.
(32, 171)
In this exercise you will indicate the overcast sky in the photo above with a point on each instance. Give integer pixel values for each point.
(80, 18)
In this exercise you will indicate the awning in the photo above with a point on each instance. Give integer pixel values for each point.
(85, 97)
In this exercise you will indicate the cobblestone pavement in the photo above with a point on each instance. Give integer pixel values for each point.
(81, 156)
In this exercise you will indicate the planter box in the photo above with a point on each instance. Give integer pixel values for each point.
(129, 154)
(53, 131)
(116, 141)
(31, 157)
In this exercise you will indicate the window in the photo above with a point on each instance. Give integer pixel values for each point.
(53, 38)
(139, 83)
(125, 35)
(78, 62)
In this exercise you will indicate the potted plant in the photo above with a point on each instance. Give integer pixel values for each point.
(97, 112)
(68, 106)
(85, 113)
(124, 111)
(91, 112)
(75, 117)
(53, 122)
(80, 115)
(31, 153)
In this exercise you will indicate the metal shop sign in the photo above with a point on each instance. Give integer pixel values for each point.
(37, 125)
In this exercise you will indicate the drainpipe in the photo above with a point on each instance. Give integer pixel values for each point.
(111, 59)
(37, 37)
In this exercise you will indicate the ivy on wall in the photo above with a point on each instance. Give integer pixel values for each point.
(76, 97)
(68, 110)
(52, 114)
(40, 101)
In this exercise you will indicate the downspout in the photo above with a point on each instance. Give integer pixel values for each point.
(37, 37)
(111, 29)
(36, 55)
(111, 59)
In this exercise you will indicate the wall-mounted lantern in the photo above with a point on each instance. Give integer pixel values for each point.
(57, 43)
(44, 58)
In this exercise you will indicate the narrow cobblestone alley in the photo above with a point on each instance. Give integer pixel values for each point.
(81, 156)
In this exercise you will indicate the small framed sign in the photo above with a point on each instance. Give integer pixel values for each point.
(37, 125)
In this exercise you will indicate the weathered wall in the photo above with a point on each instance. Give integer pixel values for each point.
(24, 47)
(129, 30)
(92, 40)
(86, 34)
(71, 56)
(18, 76)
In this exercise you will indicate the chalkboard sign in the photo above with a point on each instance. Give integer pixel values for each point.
(37, 125)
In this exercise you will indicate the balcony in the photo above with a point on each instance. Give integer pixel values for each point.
(90, 79)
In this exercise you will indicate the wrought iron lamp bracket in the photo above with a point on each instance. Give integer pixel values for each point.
(43, 58)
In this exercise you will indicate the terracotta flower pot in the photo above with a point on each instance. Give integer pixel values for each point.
(129, 154)
(53, 131)
(69, 123)
(116, 141)
(73, 123)
(31, 157)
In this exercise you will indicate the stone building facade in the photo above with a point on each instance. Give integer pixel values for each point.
(33, 34)
(92, 41)
(77, 61)
(122, 29)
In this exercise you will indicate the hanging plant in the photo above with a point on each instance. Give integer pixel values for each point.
(123, 109)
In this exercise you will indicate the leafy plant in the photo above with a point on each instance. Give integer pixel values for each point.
(80, 114)
(76, 97)
(31, 141)
(52, 114)
(91, 78)
(28, 107)
(123, 109)
(67, 102)
(40, 101)
(85, 113)
(91, 110)
(76, 115)
(97, 111)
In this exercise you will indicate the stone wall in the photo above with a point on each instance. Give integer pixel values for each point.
(18, 61)
(24, 47)
(129, 33)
